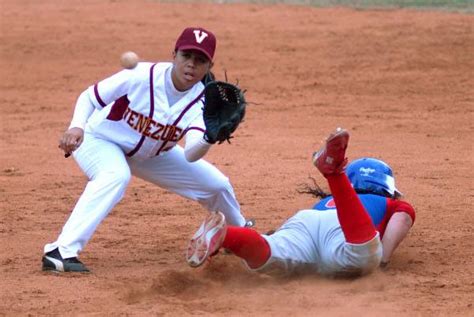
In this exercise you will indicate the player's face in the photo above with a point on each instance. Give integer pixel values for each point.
(189, 67)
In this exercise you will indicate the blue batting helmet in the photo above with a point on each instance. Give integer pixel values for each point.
(369, 175)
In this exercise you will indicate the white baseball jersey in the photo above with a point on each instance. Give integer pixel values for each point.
(138, 119)
(134, 111)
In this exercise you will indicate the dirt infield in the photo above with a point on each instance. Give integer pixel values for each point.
(401, 81)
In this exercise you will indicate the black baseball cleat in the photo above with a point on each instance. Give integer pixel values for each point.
(54, 262)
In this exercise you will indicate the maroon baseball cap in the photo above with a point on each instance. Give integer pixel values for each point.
(197, 39)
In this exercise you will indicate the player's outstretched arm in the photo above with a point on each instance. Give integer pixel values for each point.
(397, 229)
(196, 147)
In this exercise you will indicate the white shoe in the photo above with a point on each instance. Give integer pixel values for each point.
(207, 240)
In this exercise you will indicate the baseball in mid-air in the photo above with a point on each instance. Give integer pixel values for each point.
(129, 60)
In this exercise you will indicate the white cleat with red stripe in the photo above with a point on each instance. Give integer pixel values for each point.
(207, 239)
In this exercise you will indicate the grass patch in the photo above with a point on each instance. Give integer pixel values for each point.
(466, 6)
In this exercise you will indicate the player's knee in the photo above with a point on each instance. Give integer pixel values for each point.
(366, 256)
(370, 262)
(122, 177)
(118, 178)
(221, 184)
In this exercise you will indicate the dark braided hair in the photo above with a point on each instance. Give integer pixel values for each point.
(313, 189)
(316, 191)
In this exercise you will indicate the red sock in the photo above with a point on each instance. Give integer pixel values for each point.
(354, 219)
(247, 244)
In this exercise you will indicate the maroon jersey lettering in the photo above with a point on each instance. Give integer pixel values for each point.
(156, 135)
(142, 124)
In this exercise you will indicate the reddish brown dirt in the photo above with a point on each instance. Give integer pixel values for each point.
(401, 81)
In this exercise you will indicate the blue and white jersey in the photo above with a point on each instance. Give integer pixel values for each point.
(379, 208)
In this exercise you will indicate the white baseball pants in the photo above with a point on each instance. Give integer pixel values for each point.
(109, 172)
(313, 241)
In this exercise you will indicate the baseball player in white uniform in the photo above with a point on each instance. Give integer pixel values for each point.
(130, 124)
(350, 232)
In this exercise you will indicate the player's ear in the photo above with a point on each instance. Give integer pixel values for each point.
(173, 54)
(210, 65)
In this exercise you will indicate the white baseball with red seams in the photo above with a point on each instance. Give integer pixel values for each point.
(129, 60)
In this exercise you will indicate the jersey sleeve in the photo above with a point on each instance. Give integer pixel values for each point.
(112, 88)
(402, 206)
(83, 110)
(197, 124)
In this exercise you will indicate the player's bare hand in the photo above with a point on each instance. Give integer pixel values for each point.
(71, 140)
